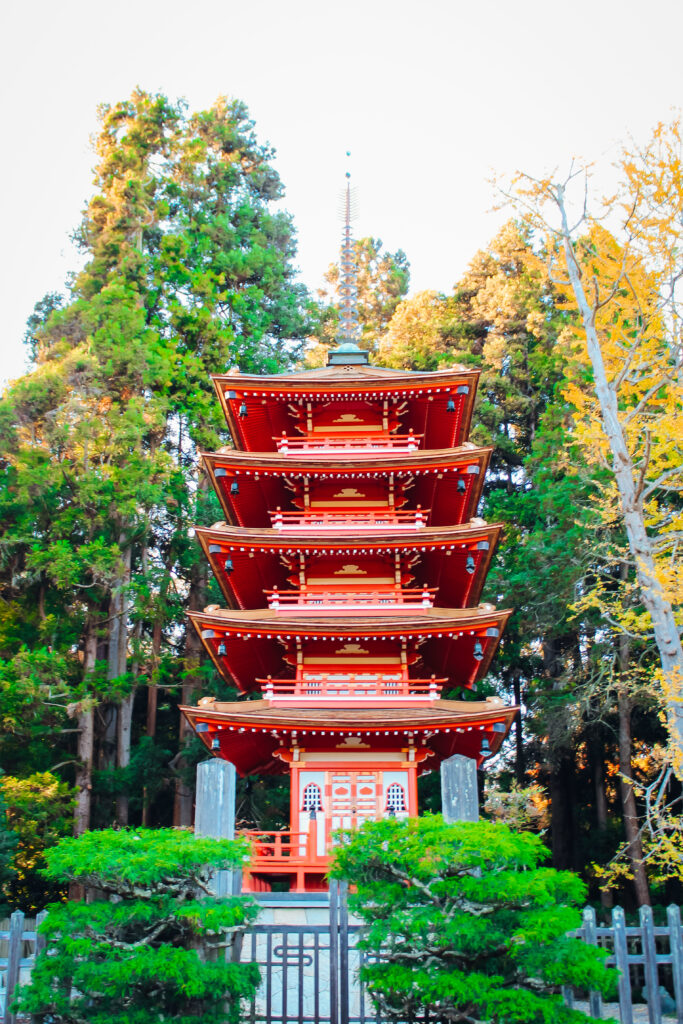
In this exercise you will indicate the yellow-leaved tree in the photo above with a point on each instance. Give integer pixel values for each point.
(621, 265)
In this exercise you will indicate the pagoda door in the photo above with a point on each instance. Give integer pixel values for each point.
(354, 798)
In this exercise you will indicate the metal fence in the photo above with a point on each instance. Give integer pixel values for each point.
(310, 972)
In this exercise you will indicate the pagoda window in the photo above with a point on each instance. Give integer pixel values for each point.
(312, 798)
(396, 799)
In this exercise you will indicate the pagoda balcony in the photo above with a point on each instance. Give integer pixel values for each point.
(350, 685)
(363, 518)
(289, 855)
(318, 444)
(315, 601)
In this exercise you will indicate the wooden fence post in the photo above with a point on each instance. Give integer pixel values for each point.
(40, 939)
(16, 928)
(343, 953)
(591, 937)
(621, 960)
(673, 917)
(334, 951)
(647, 931)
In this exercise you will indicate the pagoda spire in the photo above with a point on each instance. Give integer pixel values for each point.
(348, 281)
(348, 349)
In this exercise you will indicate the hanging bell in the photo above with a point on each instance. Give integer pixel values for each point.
(234, 487)
(470, 565)
(450, 405)
(215, 743)
(228, 566)
(222, 649)
(485, 747)
(462, 486)
(478, 651)
(243, 410)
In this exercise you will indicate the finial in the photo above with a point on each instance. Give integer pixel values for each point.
(349, 331)
(348, 278)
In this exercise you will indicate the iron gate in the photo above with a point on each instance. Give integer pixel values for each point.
(309, 973)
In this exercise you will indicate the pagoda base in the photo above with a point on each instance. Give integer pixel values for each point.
(286, 879)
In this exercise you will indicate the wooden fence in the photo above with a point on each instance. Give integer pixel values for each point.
(647, 955)
(19, 945)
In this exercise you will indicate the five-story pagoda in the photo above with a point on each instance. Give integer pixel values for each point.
(352, 566)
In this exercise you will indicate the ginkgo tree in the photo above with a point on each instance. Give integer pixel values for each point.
(621, 264)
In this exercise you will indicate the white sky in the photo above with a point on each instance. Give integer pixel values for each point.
(430, 97)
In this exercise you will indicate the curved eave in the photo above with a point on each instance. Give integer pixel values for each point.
(425, 392)
(253, 639)
(250, 732)
(263, 550)
(344, 378)
(261, 479)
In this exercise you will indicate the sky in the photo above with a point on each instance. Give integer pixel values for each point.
(431, 97)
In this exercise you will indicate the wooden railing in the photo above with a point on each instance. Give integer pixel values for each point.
(397, 598)
(385, 518)
(351, 684)
(277, 847)
(312, 443)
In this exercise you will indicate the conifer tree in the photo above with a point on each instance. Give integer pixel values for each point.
(189, 271)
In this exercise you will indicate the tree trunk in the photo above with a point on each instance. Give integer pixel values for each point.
(152, 692)
(123, 732)
(628, 801)
(183, 808)
(86, 738)
(114, 739)
(562, 802)
(664, 624)
(520, 774)
(152, 689)
(596, 748)
(117, 657)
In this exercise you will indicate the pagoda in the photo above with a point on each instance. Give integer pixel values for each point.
(352, 565)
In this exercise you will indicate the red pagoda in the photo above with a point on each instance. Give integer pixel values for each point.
(352, 566)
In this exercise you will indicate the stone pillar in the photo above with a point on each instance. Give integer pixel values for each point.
(214, 815)
(459, 795)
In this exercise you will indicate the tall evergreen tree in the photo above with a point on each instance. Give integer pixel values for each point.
(189, 271)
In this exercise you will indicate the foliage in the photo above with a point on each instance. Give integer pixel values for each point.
(40, 812)
(382, 283)
(626, 291)
(415, 333)
(520, 808)
(189, 270)
(8, 844)
(470, 927)
(152, 946)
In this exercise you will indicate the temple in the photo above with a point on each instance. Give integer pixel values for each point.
(352, 565)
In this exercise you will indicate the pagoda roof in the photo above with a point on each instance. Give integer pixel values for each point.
(345, 377)
(252, 731)
(257, 557)
(446, 636)
(268, 400)
(263, 479)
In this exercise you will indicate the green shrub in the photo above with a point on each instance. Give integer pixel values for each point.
(469, 927)
(152, 946)
(39, 810)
